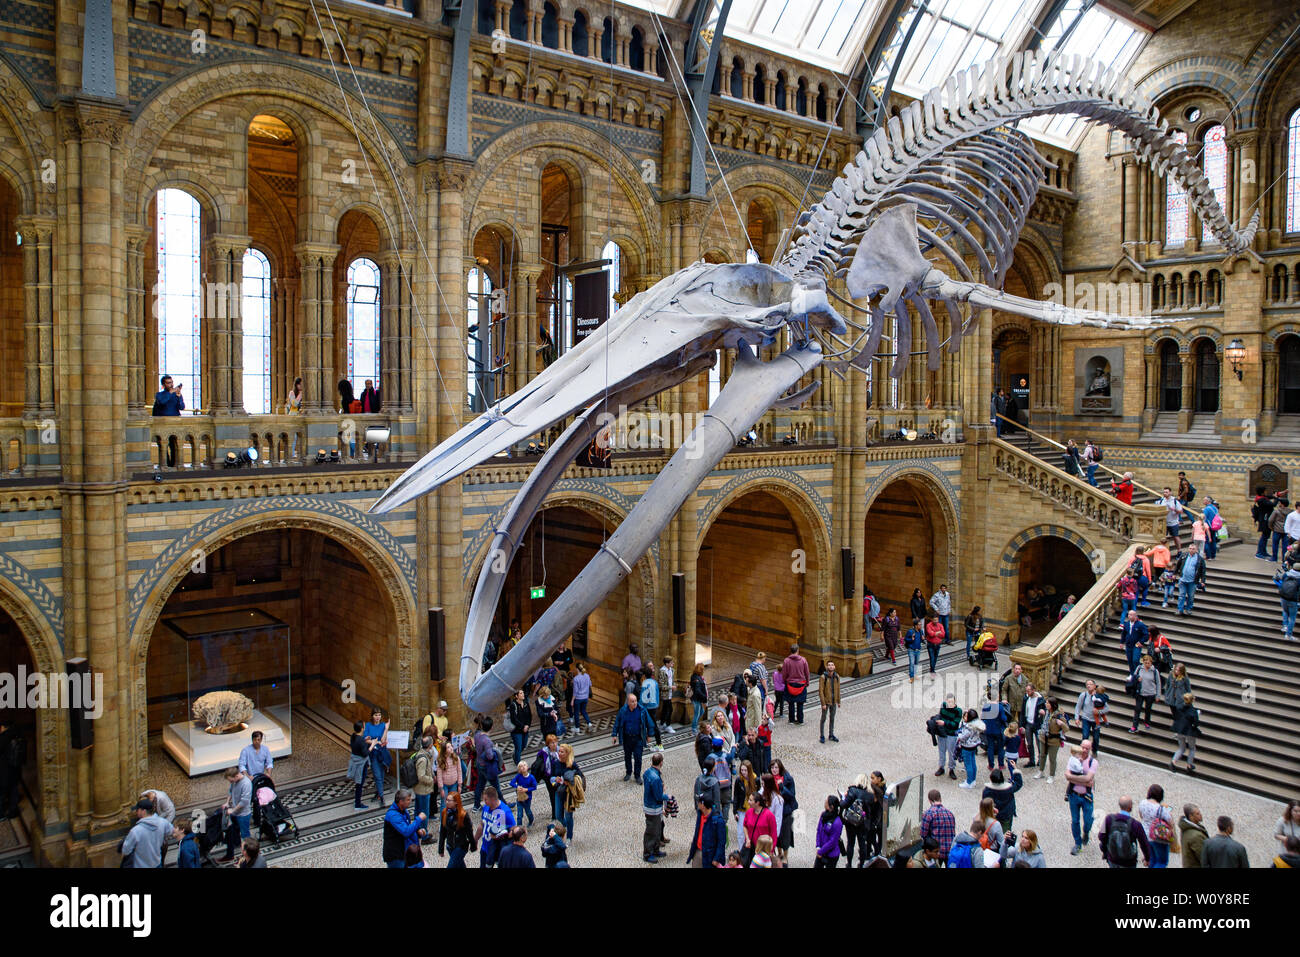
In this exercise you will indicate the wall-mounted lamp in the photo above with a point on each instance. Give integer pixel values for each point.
(1236, 354)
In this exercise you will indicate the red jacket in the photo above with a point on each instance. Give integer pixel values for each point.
(934, 632)
(1124, 492)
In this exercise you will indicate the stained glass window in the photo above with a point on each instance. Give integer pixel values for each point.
(255, 316)
(1293, 173)
(363, 323)
(478, 306)
(1175, 205)
(178, 294)
(1214, 161)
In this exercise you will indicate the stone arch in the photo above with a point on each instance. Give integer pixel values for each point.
(606, 510)
(33, 140)
(41, 625)
(157, 115)
(1219, 75)
(937, 484)
(1040, 257)
(812, 522)
(370, 542)
(1007, 594)
(218, 215)
(388, 232)
(553, 136)
(1270, 61)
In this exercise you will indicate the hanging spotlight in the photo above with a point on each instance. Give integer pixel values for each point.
(244, 457)
(322, 456)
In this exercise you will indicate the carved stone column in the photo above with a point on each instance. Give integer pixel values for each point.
(1130, 169)
(1151, 402)
(1185, 411)
(222, 306)
(316, 308)
(1268, 415)
(38, 306)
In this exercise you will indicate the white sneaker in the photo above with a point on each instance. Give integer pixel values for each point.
(963, 784)
(1049, 779)
(1038, 775)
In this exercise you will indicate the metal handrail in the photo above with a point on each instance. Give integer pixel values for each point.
(1136, 484)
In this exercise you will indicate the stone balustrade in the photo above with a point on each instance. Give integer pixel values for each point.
(1127, 522)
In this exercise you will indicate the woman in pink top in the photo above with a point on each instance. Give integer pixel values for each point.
(759, 820)
(448, 775)
(778, 686)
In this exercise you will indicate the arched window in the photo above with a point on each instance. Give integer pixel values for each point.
(1175, 205)
(614, 253)
(487, 16)
(478, 310)
(738, 78)
(518, 21)
(636, 50)
(179, 299)
(1293, 173)
(363, 323)
(255, 317)
(579, 33)
(607, 41)
(550, 27)
(760, 85)
(1214, 160)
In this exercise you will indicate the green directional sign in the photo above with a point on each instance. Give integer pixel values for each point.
(538, 591)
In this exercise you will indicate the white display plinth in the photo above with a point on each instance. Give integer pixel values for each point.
(201, 753)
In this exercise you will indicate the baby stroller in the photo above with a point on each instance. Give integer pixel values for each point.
(986, 651)
(271, 819)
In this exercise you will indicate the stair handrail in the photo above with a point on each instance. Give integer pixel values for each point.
(1145, 522)
(1045, 662)
(1111, 472)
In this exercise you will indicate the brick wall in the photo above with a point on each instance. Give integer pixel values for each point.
(746, 592)
(901, 524)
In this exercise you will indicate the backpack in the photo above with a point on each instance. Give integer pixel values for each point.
(1121, 849)
(1289, 588)
(407, 775)
(1096, 454)
(1216, 523)
(722, 771)
(959, 855)
(853, 814)
(1135, 568)
(1162, 831)
(354, 407)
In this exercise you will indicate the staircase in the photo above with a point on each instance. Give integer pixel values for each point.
(1245, 676)
(1051, 455)
(1285, 434)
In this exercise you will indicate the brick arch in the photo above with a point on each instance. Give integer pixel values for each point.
(218, 214)
(930, 478)
(1221, 75)
(605, 508)
(279, 82)
(555, 137)
(388, 563)
(812, 523)
(1274, 54)
(343, 205)
(41, 625)
(1008, 565)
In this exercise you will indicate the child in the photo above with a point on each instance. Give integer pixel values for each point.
(1013, 738)
(1128, 590)
(733, 859)
(1074, 766)
(762, 852)
(524, 784)
(554, 850)
(778, 685)
(1168, 580)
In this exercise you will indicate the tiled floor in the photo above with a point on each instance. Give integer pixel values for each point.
(883, 730)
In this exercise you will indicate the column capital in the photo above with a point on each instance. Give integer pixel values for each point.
(39, 227)
(306, 252)
(448, 173)
(221, 244)
(96, 122)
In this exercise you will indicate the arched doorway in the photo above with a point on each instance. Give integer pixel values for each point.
(1011, 357)
(1171, 376)
(1049, 569)
(338, 651)
(907, 545)
(16, 662)
(1288, 375)
(751, 575)
(1206, 366)
(559, 542)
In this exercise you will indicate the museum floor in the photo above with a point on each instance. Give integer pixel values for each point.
(878, 732)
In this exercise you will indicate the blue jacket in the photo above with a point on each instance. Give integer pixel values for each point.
(168, 403)
(631, 723)
(653, 792)
(714, 840)
(993, 727)
(1135, 634)
(190, 856)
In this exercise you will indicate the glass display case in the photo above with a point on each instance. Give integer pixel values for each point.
(237, 669)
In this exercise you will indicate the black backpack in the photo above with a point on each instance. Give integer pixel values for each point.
(406, 774)
(1096, 454)
(1121, 849)
(853, 814)
(1289, 588)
